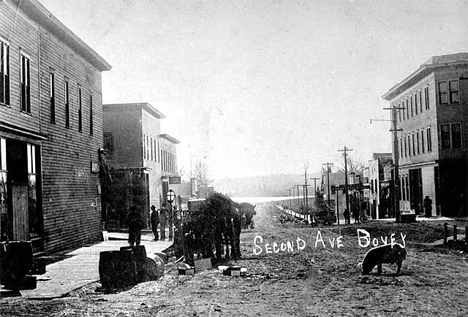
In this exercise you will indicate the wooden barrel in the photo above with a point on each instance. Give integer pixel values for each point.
(139, 253)
(16, 260)
(117, 269)
(153, 268)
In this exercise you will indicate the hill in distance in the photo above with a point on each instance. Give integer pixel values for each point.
(265, 186)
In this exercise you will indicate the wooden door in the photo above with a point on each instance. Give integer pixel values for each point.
(20, 212)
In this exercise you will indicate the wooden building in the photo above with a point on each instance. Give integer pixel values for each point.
(50, 130)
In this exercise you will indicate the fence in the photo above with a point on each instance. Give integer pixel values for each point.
(455, 243)
(294, 214)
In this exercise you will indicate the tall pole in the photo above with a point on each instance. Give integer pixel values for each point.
(298, 196)
(345, 154)
(396, 155)
(328, 180)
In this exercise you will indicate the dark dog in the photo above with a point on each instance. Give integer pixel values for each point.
(383, 254)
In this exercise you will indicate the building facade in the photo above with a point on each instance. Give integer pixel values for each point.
(168, 164)
(139, 157)
(50, 130)
(379, 191)
(432, 113)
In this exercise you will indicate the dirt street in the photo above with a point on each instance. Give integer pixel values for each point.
(319, 277)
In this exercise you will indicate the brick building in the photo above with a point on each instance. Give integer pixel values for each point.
(433, 142)
(140, 159)
(50, 130)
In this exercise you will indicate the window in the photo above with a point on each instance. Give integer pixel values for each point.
(399, 113)
(152, 150)
(417, 143)
(450, 135)
(412, 144)
(412, 108)
(420, 101)
(80, 111)
(422, 141)
(426, 97)
(445, 136)
(25, 84)
(401, 147)
(406, 146)
(416, 103)
(455, 131)
(4, 73)
(407, 109)
(453, 88)
(159, 152)
(448, 92)
(429, 139)
(52, 97)
(91, 114)
(443, 92)
(66, 93)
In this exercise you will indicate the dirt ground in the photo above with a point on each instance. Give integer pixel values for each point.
(320, 277)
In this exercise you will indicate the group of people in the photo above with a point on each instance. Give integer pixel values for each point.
(162, 218)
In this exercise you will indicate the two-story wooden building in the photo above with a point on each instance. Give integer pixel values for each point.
(141, 159)
(50, 130)
(432, 105)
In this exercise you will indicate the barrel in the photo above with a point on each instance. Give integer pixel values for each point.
(16, 260)
(117, 269)
(139, 253)
(153, 268)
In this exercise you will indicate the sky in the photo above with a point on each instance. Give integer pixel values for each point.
(259, 87)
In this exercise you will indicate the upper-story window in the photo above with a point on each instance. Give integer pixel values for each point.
(422, 141)
(450, 135)
(80, 111)
(407, 109)
(66, 94)
(91, 115)
(453, 88)
(52, 96)
(429, 139)
(426, 97)
(448, 92)
(4, 73)
(416, 103)
(420, 101)
(25, 84)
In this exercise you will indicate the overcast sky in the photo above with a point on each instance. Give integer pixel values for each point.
(264, 87)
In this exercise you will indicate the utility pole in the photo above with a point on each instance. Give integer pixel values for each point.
(345, 154)
(328, 180)
(306, 191)
(289, 191)
(396, 172)
(298, 197)
(315, 184)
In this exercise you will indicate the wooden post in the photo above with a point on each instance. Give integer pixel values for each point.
(445, 234)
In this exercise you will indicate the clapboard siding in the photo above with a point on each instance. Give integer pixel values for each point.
(70, 200)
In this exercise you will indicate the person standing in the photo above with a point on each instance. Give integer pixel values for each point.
(135, 225)
(428, 206)
(154, 222)
(170, 222)
(162, 221)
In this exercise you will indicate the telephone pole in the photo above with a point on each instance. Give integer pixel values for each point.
(315, 184)
(328, 180)
(396, 155)
(345, 154)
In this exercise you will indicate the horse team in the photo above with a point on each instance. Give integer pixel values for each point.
(213, 231)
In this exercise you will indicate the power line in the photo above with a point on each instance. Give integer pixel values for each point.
(345, 154)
